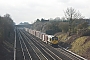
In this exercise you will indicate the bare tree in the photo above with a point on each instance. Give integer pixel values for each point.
(71, 14)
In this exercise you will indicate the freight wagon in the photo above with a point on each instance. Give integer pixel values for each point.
(48, 39)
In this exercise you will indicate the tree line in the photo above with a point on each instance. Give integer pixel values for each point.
(73, 22)
(6, 27)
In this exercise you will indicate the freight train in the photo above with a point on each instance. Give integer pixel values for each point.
(48, 39)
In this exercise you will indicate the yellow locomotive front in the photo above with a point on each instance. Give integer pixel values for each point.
(54, 41)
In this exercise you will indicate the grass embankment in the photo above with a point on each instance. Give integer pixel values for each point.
(79, 46)
(63, 37)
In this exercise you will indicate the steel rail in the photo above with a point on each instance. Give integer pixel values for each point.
(21, 47)
(47, 49)
(36, 48)
(15, 45)
(26, 48)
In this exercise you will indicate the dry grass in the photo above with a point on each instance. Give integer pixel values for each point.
(79, 47)
(63, 37)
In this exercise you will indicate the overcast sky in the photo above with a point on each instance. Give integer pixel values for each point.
(30, 10)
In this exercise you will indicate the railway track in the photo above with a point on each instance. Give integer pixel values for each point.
(70, 55)
(23, 49)
(35, 49)
(29, 51)
(49, 54)
(30, 47)
(51, 50)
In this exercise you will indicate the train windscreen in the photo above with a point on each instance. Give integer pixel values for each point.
(54, 38)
